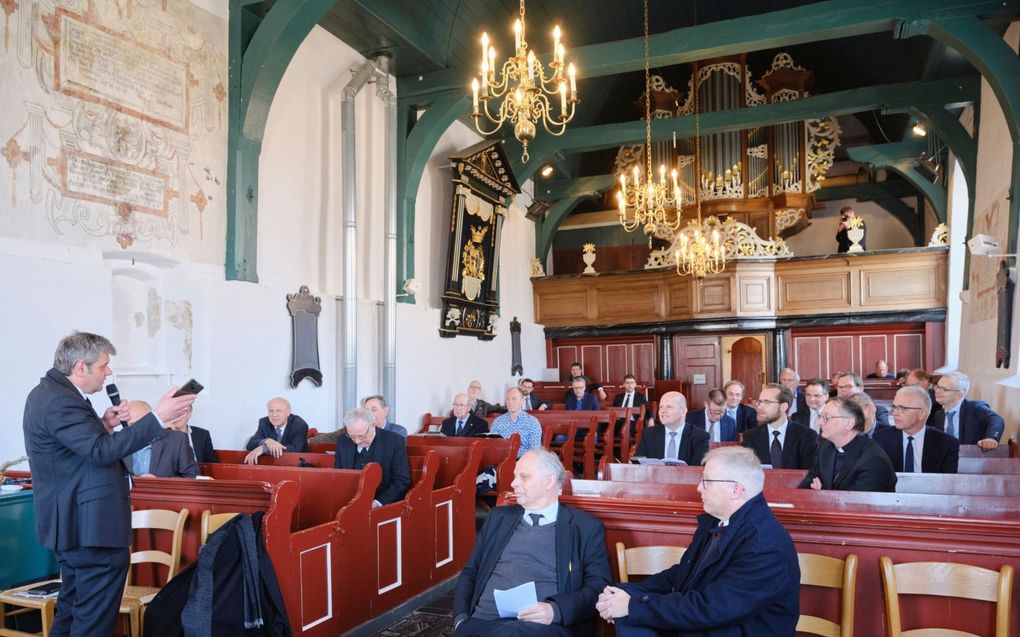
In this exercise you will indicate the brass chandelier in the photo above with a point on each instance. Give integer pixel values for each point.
(522, 89)
(648, 204)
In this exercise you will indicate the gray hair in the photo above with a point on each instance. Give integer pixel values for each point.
(516, 389)
(865, 400)
(358, 414)
(280, 399)
(922, 395)
(854, 377)
(382, 401)
(962, 381)
(792, 371)
(81, 346)
(550, 463)
(742, 465)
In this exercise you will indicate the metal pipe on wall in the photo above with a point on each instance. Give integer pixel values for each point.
(348, 204)
(389, 324)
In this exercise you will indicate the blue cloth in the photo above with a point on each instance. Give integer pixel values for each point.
(395, 428)
(588, 402)
(140, 461)
(748, 585)
(527, 426)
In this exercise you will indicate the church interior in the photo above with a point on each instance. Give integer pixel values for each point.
(325, 200)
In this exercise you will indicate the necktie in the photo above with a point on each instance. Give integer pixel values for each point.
(535, 518)
(577, 404)
(908, 460)
(527, 402)
(460, 427)
(951, 423)
(711, 431)
(671, 449)
(279, 433)
(776, 451)
(629, 400)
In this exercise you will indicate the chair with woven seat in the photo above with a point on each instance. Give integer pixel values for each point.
(45, 606)
(135, 598)
(945, 579)
(645, 560)
(829, 572)
(211, 522)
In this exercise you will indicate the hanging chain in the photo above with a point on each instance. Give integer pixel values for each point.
(648, 103)
(697, 129)
(522, 12)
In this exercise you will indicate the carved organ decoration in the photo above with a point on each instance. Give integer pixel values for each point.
(762, 177)
(483, 186)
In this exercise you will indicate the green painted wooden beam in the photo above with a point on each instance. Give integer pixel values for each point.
(951, 131)
(889, 96)
(553, 218)
(902, 158)
(566, 188)
(405, 19)
(259, 51)
(810, 23)
(934, 193)
(910, 219)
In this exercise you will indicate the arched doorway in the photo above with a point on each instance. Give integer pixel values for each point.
(747, 366)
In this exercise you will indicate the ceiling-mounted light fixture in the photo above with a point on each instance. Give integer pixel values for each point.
(547, 170)
(919, 130)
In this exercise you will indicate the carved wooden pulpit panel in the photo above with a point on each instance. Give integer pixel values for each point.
(483, 187)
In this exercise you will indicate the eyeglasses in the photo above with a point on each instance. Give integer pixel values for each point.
(766, 402)
(851, 386)
(905, 408)
(704, 480)
(940, 387)
(826, 418)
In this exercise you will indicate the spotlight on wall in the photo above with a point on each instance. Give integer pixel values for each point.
(919, 130)
(537, 209)
(930, 168)
(547, 170)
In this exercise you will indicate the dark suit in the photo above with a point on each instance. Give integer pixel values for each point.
(82, 499)
(882, 415)
(727, 428)
(390, 451)
(802, 417)
(582, 566)
(800, 445)
(295, 434)
(975, 421)
(473, 425)
(692, 447)
(747, 417)
(202, 445)
(588, 402)
(170, 457)
(865, 468)
(531, 401)
(800, 400)
(877, 428)
(639, 399)
(747, 584)
(941, 453)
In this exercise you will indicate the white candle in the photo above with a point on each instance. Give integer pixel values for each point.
(474, 96)
(563, 100)
(531, 66)
(623, 184)
(573, 84)
(517, 36)
(556, 38)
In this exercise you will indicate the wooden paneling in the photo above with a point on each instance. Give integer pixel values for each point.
(839, 351)
(807, 357)
(873, 348)
(697, 355)
(869, 282)
(908, 350)
(642, 363)
(592, 357)
(606, 360)
(819, 352)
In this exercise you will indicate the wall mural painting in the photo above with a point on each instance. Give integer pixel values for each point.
(114, 123)
(983, 270)
(483, 188)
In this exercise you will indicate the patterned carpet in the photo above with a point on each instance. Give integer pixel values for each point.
(434, 619)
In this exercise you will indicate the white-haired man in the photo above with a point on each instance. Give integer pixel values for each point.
(973, 422)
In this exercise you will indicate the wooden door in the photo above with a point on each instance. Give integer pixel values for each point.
(746, 361)
(697, 355)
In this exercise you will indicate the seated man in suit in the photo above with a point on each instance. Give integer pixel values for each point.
(478, 406)
(579, 398)
(630, 396)
(576, 371)
(201, 441)
(531, 401)
(365, 443)
(816, 392)
(688, 444)
(881, 370)
(972, 422)
(713, 418)
(778, 441)
(847, 459)
(868, 406)
(463, 422)
(912, 446)
(168, 457)
(278, 432)
(921, 378)
(377, 405)
(849, 384)
(739, 576)
(790, 379)
(559, 548)
(743, 415)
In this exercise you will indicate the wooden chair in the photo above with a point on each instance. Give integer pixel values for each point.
(136, 597)
(646, 560)
(564, 448)
(945, 579)
(45, 606)
(213, 521)
(829, 572)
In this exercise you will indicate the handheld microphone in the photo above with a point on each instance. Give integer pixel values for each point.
(114, 394)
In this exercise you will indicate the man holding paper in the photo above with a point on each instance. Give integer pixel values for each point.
(537, 549)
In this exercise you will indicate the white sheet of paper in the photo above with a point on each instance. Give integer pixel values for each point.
(512, 601)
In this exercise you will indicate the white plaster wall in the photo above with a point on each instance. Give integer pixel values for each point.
(1000, 387)
(884, 231)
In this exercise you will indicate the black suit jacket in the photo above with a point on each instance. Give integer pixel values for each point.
(472, 426)
(800, 400)
(727, 428)
(639, 399)
(881, 416)
(975, 421)
(203, 446)
(747, 418)
(693, 444)
(536, 402)
(390, 451)
(800, 445)
(941, 453)
(866, 468)
(295, 435)
(80, 487)
(588, 402)
(170, 457)
(802, 417)
(582, 565)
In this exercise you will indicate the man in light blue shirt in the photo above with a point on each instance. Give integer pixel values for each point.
(515, 420)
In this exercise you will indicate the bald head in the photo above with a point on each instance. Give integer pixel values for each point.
(278, 411)
(138, 409)
(672, 409)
